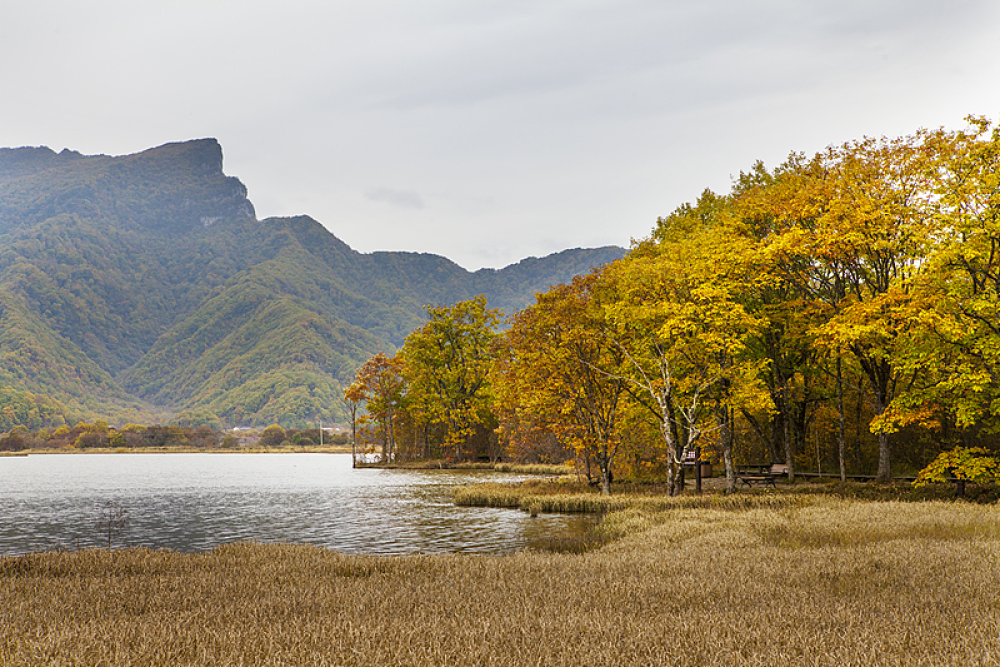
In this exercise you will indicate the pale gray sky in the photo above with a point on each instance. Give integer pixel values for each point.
(488, 131)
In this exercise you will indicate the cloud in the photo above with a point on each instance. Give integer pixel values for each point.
(397, 198)
(532, 126)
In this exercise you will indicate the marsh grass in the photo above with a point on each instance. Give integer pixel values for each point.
(829, 582)
(897, 490)
(535, 468)
(567, 496)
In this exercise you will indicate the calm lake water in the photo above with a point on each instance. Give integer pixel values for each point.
(193, 502)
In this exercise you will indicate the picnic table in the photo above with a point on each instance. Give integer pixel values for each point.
(762, 475)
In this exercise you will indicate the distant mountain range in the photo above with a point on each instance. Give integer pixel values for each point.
(143, 287)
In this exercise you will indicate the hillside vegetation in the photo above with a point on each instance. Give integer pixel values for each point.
(136, 287)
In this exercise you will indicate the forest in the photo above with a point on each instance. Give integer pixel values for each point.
(839, 313)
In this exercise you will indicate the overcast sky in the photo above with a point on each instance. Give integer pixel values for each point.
(489, 131)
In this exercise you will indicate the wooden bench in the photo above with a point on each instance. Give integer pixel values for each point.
(763, 475)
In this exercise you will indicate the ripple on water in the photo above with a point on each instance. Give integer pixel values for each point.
(194, 502)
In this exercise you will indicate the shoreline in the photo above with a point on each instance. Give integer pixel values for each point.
(331, 449)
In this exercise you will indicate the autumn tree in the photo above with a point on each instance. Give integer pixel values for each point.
(272, 436)
(678, 319)
(559, 372)
(353, 400)
(849, 229)
(961, 464)
(955, 300)
(446, 364)
(785, 338)
(380, 385)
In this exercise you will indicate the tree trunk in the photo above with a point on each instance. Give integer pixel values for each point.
(789, 446)
(884, 473)
(841, 437)
(604, 467)
(452, 429)
(882, 383)
(675, 478)
(858, 407)
(776, 432)
(385, 440)
(354, 434)
(671, 472)
(697, 470)
(670, 437)
(801, 421)
(392, 439)
(354, 443)
(726, 435)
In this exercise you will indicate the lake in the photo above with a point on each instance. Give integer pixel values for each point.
(193, 502)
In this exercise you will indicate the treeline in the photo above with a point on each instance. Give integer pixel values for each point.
(99, 435)
(840, 313)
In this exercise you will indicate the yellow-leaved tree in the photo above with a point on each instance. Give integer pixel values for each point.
(446, 366)
(850, 229)
(955, 300)
(679, 319)
(961, 464)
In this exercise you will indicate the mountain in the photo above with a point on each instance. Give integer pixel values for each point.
(144, 286)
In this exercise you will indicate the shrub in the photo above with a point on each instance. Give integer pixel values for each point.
(272, 436)
(964, 464)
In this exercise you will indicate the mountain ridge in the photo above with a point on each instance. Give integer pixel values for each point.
(144, 285)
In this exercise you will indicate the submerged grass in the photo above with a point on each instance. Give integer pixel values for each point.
(824, 582)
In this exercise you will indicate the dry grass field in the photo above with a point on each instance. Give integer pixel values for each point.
(818, 581)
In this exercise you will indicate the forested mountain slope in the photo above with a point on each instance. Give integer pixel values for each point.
(143, 286)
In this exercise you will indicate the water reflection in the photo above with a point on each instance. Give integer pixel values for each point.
(193, 502)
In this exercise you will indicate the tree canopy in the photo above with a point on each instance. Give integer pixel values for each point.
(838, 312)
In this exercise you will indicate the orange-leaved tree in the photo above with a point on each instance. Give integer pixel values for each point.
(353, 400)
(558, 371)
(380, 386)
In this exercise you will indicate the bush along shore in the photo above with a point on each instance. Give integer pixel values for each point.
(753, 580)
(549, 469)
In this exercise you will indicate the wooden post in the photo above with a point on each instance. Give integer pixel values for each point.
(697, 469)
